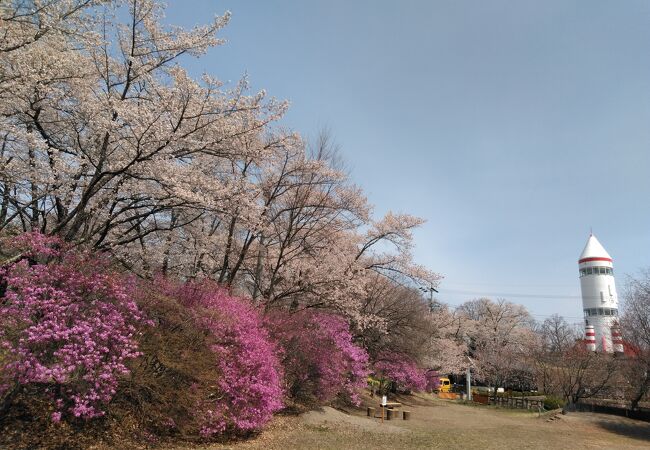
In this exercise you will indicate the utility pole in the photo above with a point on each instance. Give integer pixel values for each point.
(430, 290)
(468, 376)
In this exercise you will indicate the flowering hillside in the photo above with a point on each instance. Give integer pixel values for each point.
(173, 262)
(67, 324)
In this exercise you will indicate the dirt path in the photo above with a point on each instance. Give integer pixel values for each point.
(446, 424)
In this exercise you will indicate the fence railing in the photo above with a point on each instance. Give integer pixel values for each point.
(638, 414)
(534, 403)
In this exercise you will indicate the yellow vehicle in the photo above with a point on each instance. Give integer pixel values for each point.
(445, 385)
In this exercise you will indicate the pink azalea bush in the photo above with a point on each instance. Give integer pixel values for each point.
(432, 378)
(319, 357)
(247, 377)
(401, 371)
(67, 324)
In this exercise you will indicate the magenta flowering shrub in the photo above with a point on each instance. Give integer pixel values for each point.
(34, 245)
(401, 371)
(247, 376)
(67, 325)
(432, 378)
(319, 357)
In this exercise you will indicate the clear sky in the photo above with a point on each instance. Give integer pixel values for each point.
(512, 127)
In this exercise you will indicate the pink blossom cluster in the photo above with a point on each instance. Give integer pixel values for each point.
(68, 326)
(401, 370)
(35, 245)
(247, 388)
(320, 359)
(432, 378)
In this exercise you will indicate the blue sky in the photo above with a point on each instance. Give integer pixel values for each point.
(512, 127)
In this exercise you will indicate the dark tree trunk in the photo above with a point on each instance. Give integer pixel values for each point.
(8, 398)
(641, 392)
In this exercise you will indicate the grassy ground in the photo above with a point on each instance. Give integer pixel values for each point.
(447, 424)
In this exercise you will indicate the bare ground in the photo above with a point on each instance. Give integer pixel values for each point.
(447, 424)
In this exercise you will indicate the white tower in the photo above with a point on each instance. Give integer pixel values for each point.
(599, 298)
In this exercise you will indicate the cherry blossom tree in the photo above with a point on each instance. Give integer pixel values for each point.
(408, 328)
(448, 344)
(106, 141)
(500, 336)
(403, 324)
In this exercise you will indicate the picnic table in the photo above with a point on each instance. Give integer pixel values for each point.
(389, 407)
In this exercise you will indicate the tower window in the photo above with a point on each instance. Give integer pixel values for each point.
(596, 271)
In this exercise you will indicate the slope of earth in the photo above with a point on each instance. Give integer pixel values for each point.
(447, 424)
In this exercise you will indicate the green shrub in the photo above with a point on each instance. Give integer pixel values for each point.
(518, 394)
(373, 382)
(552, 402)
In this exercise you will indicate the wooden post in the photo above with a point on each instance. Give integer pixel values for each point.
(389, 413)
(406, 415)
(371, 411)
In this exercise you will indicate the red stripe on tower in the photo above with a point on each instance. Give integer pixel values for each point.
(594, 258)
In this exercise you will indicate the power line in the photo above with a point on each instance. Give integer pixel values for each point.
(521, 295)
(517, 295)
(505, 294)
(464, 283)
(551, 315)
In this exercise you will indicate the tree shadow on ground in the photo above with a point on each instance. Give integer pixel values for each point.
(635, 430)
(294, 409)
(412, 400)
